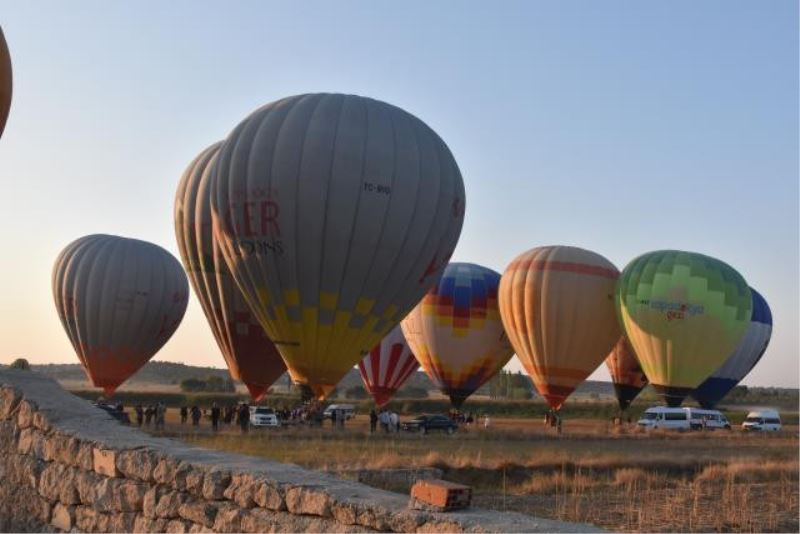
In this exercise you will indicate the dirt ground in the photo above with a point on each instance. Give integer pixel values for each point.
(619, 478)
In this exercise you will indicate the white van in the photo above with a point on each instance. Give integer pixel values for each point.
(762, 421)
(701, 419)
(664, 417)
(263, 416)
(348, 409)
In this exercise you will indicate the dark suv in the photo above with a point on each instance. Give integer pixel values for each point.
(427, 423)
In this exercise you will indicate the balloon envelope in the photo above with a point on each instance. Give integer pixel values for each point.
(683, 313)
(119, 300)
(749, 352)
(250, 355)
(626, 373)
(387, 366)
(557, 304)
(5, 82)
(335, 214)
(456, 333)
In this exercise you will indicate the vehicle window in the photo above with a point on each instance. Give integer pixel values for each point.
(752, 420)
(675, 416)
(772, 421)
(649, 416)
(264, 411)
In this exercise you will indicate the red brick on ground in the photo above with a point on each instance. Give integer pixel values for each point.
(440, 495)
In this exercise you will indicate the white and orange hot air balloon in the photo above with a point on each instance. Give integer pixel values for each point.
(387, 366)
(557, 306)
(250, 355)
(119, 300)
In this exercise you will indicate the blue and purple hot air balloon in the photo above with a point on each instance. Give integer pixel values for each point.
(744, 358)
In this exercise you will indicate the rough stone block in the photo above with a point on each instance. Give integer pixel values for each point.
(121, 522)
(87, 483)
(41, 422)
(8, 437)
(177, 526)
(308, 500)
(199, 512)
(194, 479)
(215, 482)
(119, 495)
(25, 412)
(196, 527)
(169, 504)
(138, 464)
(9, 400)
(258, 520)
(63, 517)
(270, 497)
(146, 524)
(30, 470)
(228, 519)
(104, 462)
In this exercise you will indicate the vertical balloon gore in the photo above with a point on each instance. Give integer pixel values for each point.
(626, 373)
(5, 82)
(257, 391)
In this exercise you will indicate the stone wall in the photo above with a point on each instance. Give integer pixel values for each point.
(66, 466)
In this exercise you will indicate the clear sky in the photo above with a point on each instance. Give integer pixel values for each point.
(621, 127)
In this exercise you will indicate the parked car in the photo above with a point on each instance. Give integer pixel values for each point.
(115, 412)
(263, 416)
(701, 419)
(762, 421)
(664, 417)
(348, 409)
(427, 423)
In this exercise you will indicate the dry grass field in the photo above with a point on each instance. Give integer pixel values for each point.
(620, 479)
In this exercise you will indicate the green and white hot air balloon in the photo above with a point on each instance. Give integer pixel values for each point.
(683, 313)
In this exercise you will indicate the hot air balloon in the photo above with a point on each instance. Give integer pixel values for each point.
(456, 333)
(626, 373)
(335, 213)
(5, 82)
(744, 358)
(250, 355)
(387, 366)
(683, 313)
(557, 304)
(119, 300)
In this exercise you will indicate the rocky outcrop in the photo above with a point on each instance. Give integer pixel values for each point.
(66, 466)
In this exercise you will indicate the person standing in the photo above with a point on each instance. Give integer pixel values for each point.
(195, 415)
(373, 421)
(149, 412)
(161, 412)
(394, 421)
(184, 414)
(486, 422)
(139, 414)
(244, 417)
(215, 413)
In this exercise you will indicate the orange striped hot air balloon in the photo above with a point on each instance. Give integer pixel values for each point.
(557, 305)
(626, 373)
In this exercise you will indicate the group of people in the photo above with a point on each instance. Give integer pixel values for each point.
(390, 421)
(153, 413)
(240, 413)
(553, 420)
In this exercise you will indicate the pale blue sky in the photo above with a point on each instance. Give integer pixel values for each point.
(621, 127)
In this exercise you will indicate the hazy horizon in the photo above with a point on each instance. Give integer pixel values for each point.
(618, 127)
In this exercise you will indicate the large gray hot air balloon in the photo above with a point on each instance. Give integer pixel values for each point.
(250, 355)
(119, 300)
(335, 214)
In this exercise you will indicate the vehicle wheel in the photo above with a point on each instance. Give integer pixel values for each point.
(450, 429)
